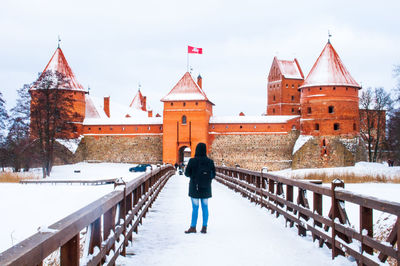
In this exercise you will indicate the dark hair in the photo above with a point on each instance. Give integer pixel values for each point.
(201, 150)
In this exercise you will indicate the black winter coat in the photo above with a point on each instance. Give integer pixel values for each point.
(194, 190)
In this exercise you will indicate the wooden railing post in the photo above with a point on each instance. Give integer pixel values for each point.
(366, 223)
(70, 252)
(335, 214)
(271, 189)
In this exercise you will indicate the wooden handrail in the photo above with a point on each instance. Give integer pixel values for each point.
(112, 217)
(333, 231)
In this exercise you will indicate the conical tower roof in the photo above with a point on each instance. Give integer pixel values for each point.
(59, 64)
(329, 70)
(186, 90)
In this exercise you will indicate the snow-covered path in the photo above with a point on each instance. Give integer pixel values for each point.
(239, 233)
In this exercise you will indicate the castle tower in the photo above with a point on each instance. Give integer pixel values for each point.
(70, 87)
(187, 112)
(329, 98)
(284, 79)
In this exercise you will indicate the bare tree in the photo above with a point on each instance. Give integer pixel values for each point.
(373, 106)
(51, 107)
(3, 125)
(18, 144)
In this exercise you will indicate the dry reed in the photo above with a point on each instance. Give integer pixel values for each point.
(347, 178)
(11, 177)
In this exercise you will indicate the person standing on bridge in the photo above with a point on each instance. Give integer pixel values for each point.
(201, 171)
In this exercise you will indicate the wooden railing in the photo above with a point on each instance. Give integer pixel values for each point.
(277, 194)
(108, 224)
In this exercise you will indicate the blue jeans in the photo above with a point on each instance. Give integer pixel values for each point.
(195, 211)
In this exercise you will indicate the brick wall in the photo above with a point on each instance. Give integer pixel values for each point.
(139, 149)
(336, 152)
(254, 151)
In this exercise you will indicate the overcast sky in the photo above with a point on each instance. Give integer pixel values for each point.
(112, 46)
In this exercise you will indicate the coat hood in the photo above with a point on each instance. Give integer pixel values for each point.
(201, 150)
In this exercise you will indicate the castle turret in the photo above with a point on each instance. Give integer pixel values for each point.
(70, 88)
(284, 79)
(187, 113)
(329, 98)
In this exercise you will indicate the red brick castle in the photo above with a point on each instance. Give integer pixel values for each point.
(311, 122)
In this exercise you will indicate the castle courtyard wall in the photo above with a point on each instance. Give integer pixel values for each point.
(138, 149)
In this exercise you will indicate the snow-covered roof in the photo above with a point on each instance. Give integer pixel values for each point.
(90, 108)
(124, 121)
(59, 64)
(186, 90)
(251, 119)
(138, 102)
(290, 69)
(95, 114)
(329, 70)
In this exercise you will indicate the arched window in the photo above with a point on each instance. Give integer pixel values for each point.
(309, 110)
(354, 126)
(317, 127)
(274, 97)
(330, 109)
(184, 120)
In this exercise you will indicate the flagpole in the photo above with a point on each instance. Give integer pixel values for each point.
(187, 64)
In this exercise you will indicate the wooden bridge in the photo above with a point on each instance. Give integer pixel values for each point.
(106, 226)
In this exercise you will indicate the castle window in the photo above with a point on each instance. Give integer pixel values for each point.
(292, 110)
(273, 111)
(292, 97)
(197, 103)
(323, 142)
(354, 126)
(292, 85)
(111, 128)
(336, 126)
(334, 88)
(294, 127)
(274, 97)
(99, 128)
(317, 127)
(184, 104)
(347, 89)
(75, 129)
(241, 126)
(172, 104)
(287, 85)
(148, 128)
(213, 127)
(123, 129)
(226, 127)
(320, 88)
(255, 126)
(160, 128)
(308, 110)
(89, 128)
(184, 120)
(136, 129)
(330, 109)
(308, 89)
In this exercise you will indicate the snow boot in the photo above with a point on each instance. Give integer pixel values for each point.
(204, 230)
(191, 230)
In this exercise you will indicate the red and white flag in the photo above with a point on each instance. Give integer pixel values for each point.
(194, 50)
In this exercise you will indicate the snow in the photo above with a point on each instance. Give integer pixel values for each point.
(25, 208)
(239, 233)
(185, 90)
(70, 144)
(360, 169)
(289, 69)
(301, 140)
(251, 119)
(329, 70)
(124, 121)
